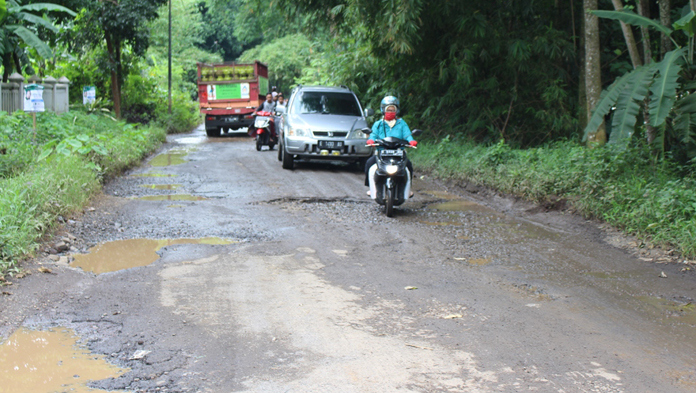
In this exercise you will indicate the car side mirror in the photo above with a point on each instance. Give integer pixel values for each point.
(416, 132)
(369, 112)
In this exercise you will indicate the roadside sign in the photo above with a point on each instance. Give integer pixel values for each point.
(33, 98)
(89, 95)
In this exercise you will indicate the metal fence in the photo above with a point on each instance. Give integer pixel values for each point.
(55, 93)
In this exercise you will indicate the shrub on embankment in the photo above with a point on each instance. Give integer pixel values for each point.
(626, 189)
(55, 170)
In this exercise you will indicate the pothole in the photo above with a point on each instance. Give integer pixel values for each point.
(50, 361)
(126, 254)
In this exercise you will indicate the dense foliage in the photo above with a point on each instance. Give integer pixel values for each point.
(56, 169)
(619, 186)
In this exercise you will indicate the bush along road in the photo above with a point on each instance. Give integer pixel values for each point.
(210, 268)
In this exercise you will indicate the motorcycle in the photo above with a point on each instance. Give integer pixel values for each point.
(389, 177)
(264, 130)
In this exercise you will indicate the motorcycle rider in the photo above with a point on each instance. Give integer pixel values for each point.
(266, 106)
(392, 126)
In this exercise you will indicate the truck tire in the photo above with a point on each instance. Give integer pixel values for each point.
(288, 161)
(212, 132)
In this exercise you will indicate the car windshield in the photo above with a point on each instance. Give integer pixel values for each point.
(326, 103)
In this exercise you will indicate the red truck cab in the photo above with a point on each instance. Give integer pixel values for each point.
(228, 94)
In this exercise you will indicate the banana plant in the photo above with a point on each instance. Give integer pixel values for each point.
(667, 84)
(16, 19)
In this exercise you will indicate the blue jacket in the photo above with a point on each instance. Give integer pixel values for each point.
(381, 130)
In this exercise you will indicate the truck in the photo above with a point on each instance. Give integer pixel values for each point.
(228, 94)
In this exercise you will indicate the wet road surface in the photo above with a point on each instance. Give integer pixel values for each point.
(211, 269)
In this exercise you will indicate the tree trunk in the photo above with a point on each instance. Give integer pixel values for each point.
(628, 36)
(593, 75)
(115, 87)
(644, 10)
(665, 20)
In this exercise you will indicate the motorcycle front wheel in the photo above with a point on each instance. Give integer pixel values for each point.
(259, 143)
(389, 202)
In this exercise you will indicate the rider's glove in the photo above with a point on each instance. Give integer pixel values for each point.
(370, 142)
(413, 143)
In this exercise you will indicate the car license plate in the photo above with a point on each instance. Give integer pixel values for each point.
(231, 119)
(330, 144)
(392, 153)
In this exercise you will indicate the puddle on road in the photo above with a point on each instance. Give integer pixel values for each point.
(173, 197)
(153, 174)
(161, 186)
(125, 254)
(677, 312)
(461, 205)
(50, 361)
(192, 140)
(440, 194)
(174, 156)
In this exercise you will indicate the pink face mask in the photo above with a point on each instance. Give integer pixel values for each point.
(389, 116)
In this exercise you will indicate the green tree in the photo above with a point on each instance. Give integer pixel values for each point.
(18, 29)
(286, 57)
(116, 24)
(485, 70)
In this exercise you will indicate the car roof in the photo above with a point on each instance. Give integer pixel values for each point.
(325, 88)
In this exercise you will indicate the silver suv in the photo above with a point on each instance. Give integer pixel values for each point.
(322, 122)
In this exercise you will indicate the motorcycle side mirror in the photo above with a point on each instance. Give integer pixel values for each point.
(416, 132)
(369, 112)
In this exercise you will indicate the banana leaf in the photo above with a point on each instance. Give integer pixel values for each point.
(687, 24)
(664, 89)
(3, 9)
(628, 105)
(32, 40)
(606, 101)
(684, 125)
(631, 18)
(44, 7)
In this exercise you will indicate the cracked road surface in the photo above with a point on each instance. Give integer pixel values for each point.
(211, 269)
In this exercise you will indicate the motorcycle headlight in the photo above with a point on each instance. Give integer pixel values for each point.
(391, 169)
(299, 132)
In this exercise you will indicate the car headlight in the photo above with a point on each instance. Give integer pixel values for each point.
(391, 169)
(358, 134)
(298, 132)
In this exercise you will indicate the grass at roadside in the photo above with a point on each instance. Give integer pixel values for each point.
(623, 188)
(57, 169)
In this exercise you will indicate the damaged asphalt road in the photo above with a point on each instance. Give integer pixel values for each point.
(211, 269)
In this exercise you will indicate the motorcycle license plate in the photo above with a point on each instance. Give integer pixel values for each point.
(392, 153)
(330, 144)
(261, 122)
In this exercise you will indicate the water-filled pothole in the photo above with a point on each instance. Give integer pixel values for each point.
(162, 186)
(126, 254)
(172, 157)
(50, 361)
(460, 205)
(172, 197)
(154, 174)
